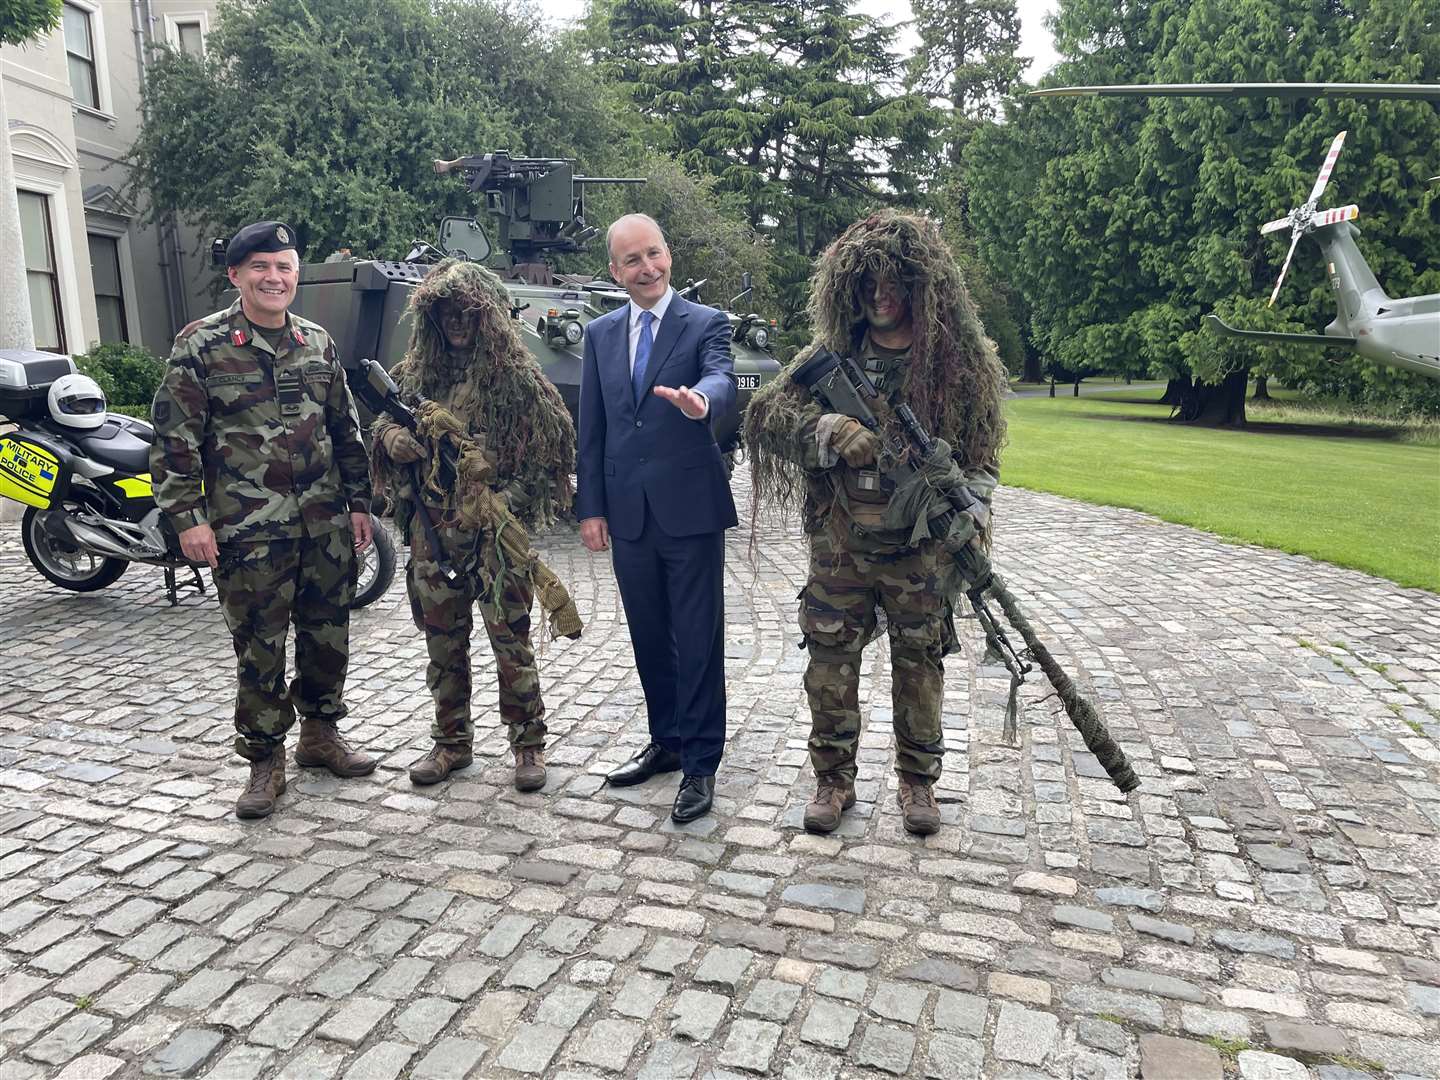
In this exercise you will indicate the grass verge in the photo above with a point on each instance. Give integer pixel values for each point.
(1352, 494)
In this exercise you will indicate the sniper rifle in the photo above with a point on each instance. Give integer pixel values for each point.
(911, 459)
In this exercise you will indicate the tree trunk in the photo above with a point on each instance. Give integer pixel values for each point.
(1221, 405)
(1052, 386)
(1076, 392)
(1262, 389)
(1032, 372)
(1175, 391)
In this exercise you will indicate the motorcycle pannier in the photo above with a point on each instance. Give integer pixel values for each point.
(34, 470)
(25, 378)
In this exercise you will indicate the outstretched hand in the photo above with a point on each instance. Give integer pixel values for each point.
(686, 400)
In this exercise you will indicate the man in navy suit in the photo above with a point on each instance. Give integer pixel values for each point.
(651, 479)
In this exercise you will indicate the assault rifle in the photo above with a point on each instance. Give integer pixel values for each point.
(381, 396)
(907, 458)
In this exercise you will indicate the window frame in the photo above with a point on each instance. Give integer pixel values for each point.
(174, 20)
(53, 273)
(44, 166)
(123, 281)
(99, 67)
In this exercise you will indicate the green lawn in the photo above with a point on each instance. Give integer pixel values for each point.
(1343, 495)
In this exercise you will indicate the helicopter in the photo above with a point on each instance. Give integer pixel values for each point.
(1399, 332)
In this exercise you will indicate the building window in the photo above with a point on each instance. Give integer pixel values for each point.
(38, 240)
(190, 37)
(80, 51)
(109, 295)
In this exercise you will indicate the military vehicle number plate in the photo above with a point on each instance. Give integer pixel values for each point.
(747, 382)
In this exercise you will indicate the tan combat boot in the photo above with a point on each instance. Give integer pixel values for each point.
(822, 813)
(918, 807)
(267, 783)
(321, 746)
(440, 762)
(529, 768)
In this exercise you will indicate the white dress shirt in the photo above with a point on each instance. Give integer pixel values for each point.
(661, 306)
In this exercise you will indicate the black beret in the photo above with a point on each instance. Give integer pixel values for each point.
(264, 236)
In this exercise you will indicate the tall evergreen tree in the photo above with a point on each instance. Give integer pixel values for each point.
(789, 104)
(965, 63)
(1133, 218)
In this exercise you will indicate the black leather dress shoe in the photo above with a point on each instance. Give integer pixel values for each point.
(651, 761)
(694, 799)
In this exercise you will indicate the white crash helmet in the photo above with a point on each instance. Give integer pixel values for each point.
(76, 401)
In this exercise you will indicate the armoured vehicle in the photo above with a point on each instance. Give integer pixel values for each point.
(538, 208)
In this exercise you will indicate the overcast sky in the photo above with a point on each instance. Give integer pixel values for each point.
(1035, 40)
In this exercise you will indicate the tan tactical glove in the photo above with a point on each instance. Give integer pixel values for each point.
(854, 442)
(402, 447)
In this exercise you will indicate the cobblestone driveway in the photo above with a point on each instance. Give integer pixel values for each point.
(1265, 905)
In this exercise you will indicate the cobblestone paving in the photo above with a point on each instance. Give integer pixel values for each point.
(1264, 907)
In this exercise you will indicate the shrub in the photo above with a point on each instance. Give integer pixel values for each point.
(127, 373)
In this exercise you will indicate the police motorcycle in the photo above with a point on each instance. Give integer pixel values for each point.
(83, 475)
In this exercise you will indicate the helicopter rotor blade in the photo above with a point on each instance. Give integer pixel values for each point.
(1295, 239)
(1326, 169)
(1340, 213)
(1276, 225)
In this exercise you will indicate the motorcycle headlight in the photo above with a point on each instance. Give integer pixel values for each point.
(574, 332)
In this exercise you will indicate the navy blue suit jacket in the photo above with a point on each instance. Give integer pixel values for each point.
(630, 456)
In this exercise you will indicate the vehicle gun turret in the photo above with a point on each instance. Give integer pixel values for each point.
(539, 209)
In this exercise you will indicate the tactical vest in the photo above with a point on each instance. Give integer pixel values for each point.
(864, 493)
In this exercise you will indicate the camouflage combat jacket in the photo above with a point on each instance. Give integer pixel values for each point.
(273, 437)
(862, 495)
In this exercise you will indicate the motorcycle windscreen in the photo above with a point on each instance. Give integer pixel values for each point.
(33, 470)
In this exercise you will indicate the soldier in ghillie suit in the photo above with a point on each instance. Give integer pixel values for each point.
(259, 464)
(887, 292)
(472, 382)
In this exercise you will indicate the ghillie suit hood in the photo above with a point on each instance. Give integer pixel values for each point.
(953, 380)
(495, 388)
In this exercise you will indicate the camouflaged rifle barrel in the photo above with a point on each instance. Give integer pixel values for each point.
(1081, 711)
(841, 385)
(518, 551)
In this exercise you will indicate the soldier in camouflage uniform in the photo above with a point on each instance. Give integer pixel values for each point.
(888, 293)
(471, 380)
(258, 463)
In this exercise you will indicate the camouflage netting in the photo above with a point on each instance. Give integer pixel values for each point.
(497, 388)
(954, 380)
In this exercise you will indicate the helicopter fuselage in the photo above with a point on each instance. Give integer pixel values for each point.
(1403, 333)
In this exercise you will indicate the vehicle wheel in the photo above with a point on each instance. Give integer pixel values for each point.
(377, 566)
(65, 564)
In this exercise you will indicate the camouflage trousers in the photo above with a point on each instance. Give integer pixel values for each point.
(838, 619)
(442, 611)
(263, 587)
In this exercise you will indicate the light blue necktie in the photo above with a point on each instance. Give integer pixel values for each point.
(642, 354)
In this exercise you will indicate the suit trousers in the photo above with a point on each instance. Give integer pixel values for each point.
(673, 590)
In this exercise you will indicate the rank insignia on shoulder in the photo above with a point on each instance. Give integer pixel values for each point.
(239, 337)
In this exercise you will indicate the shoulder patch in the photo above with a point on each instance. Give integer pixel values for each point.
(187, 330)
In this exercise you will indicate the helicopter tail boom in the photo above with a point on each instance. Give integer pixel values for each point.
(1220, 326)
